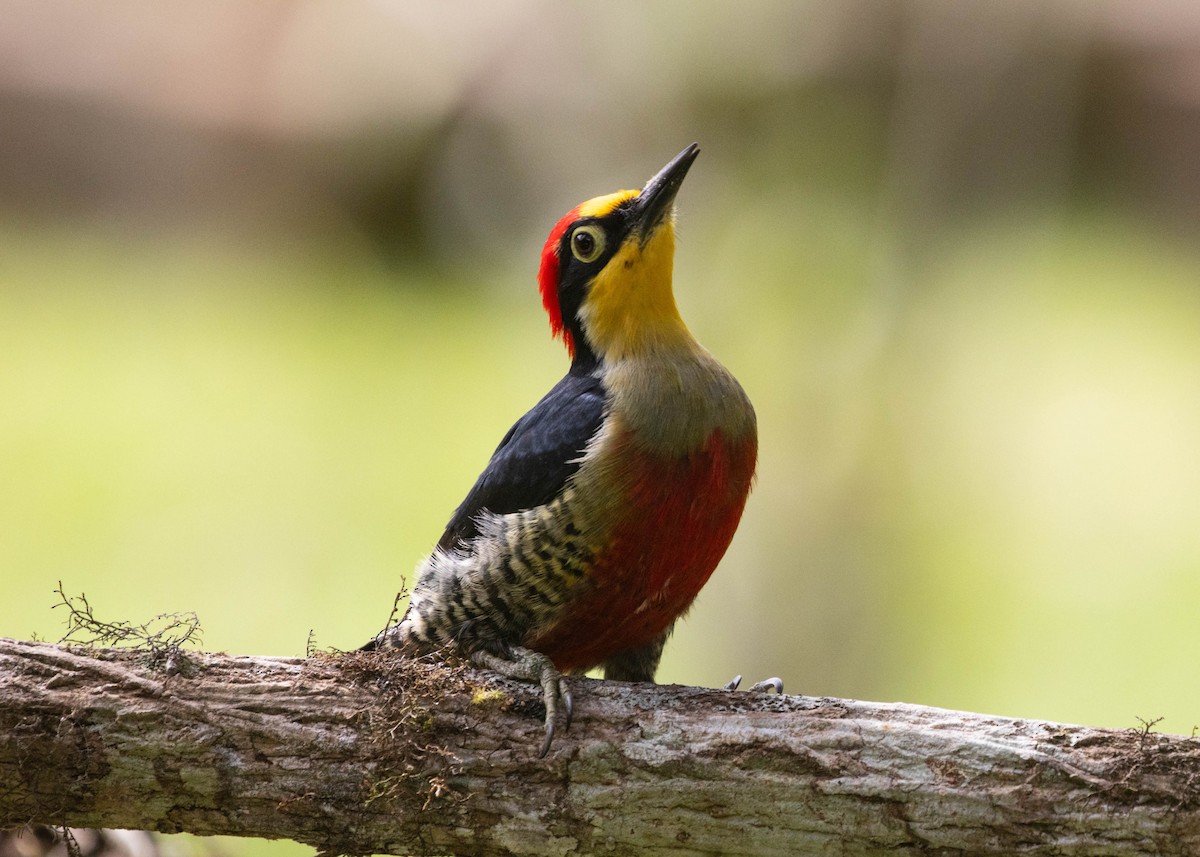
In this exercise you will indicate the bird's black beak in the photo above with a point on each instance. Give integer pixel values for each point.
(652, 204)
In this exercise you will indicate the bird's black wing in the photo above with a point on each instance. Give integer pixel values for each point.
(536, 457)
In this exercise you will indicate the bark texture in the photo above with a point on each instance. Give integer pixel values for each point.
(372, 753)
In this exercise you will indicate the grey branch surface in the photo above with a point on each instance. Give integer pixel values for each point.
(365, 753)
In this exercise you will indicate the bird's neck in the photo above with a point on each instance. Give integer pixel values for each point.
(630, 310)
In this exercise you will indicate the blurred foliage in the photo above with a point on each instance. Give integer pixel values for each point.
(265, 312)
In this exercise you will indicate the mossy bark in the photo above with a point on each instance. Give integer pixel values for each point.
(373, 753)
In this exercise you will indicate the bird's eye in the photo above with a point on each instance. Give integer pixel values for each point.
(587, 243)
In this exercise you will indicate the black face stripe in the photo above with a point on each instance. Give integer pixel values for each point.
(575, 276)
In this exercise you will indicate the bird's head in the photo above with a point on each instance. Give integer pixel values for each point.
(606, 271)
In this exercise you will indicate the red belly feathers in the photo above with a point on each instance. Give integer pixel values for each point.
(679, 518)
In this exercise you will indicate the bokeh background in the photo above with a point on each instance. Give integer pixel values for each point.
(267, 304)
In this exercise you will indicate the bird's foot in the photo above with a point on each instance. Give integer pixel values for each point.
(529, 665)
(764, 686)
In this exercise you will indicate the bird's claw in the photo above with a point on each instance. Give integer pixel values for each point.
(765, 686)
(533, 666)
(554, 693)
(549, 739)
(568, 705)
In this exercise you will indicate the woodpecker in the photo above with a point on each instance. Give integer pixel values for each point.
(606, 507)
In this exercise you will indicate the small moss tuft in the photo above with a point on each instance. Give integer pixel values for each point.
(490, 697)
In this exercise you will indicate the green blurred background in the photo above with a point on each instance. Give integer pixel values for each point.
(267, 304)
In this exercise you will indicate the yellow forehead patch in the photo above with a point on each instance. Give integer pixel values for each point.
(603, 205)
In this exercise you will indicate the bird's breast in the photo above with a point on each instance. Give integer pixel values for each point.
(673, 402)
(667, 487)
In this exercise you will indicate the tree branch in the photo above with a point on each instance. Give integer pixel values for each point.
(374, 753)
